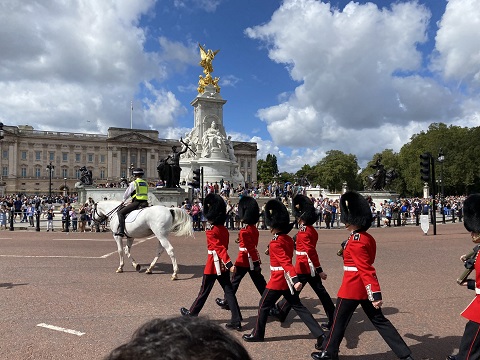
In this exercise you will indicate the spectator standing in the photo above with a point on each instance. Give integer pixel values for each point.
(50, 216)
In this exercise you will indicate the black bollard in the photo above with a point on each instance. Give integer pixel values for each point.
(37, 217)
(67, 222)
(453, 216)
(443, 216)
(11, 219)
(378, 218)
(417, 218)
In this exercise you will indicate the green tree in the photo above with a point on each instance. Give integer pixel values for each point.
(267, 169)
(336, 168)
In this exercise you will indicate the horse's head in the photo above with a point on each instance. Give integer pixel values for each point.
(104, 209)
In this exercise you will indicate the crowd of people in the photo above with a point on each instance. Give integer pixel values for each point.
(23, 209)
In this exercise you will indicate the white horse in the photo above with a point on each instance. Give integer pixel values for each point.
(158, 220)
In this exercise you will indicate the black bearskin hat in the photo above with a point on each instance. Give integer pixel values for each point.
(471, 213)
(277, 216)
(304, 209)
(248, 210)
(355, 210)
(215, 209)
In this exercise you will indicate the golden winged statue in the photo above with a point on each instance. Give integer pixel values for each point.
(207, 57)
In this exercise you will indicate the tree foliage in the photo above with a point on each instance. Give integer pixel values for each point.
(459, 172)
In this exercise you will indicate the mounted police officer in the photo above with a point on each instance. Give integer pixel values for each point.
(138, 192)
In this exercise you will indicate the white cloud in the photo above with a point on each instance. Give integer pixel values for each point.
(360, 73)
(458, 43)
(77, 64)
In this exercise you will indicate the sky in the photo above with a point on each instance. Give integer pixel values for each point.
(300, 77)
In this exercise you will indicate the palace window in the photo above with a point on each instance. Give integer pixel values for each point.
(23, 172)
(24, 155)
(38, 155)
(65, 156)
(78, 158)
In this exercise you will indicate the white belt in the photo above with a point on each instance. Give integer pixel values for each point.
(350, 268)
(477, 291)
(250, 261)
(216, 261)
(310, 264)
(276, 268)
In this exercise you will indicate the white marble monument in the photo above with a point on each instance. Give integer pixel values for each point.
(208, 144)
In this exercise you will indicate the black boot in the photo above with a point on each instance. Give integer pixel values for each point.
(222, 303)
(323, 355)
(320, 340)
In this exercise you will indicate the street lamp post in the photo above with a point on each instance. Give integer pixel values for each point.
(65, 187)
(50, 169)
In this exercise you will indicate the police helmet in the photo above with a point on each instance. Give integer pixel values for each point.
(138, 172)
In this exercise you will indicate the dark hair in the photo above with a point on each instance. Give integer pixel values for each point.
(180, 338)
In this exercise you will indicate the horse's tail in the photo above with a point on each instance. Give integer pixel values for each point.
(182, 223)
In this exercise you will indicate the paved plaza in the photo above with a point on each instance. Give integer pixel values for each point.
(61, 298)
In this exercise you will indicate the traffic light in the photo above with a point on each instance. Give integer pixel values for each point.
(425, 166)
(196, 179)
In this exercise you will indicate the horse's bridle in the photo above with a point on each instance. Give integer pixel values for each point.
(101, 218)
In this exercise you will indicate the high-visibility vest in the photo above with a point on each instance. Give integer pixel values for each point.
(141, 189)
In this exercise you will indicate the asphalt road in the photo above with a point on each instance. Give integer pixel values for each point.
(69, 281)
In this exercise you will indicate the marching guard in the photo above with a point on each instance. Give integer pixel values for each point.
(283, 278)
(360, 285)
(307, 265)
(218, 266)
(470, 343)
(248, 260)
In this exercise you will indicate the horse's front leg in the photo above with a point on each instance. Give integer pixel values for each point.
(118, 240)
(129, 255)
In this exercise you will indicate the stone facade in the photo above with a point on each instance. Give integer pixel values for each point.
(26, 153)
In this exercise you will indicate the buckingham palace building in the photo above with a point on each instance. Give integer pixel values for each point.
(31, 158)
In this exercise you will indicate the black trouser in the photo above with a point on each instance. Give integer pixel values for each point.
(470, 343)
(268, 300)
(207, 284)
(122, 213)
(344, 310)
(256, 276)
(315, 282)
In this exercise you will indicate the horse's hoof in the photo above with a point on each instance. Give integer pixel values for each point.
(174, 277)
(148, 271)
(119, 270)
(138, 267)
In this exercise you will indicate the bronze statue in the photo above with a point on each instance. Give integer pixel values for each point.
(169, 168)
(86, 176)
(381, 178)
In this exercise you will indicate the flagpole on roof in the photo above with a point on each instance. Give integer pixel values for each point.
(131, 114)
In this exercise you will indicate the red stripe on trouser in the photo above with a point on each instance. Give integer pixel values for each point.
(334, 322)
(473, 342)
(262, 300)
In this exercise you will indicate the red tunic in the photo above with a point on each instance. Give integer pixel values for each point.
(359, 278)
(472, 312)
(217, 240)
(307, 238)
(248, 239)
(281, 254)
